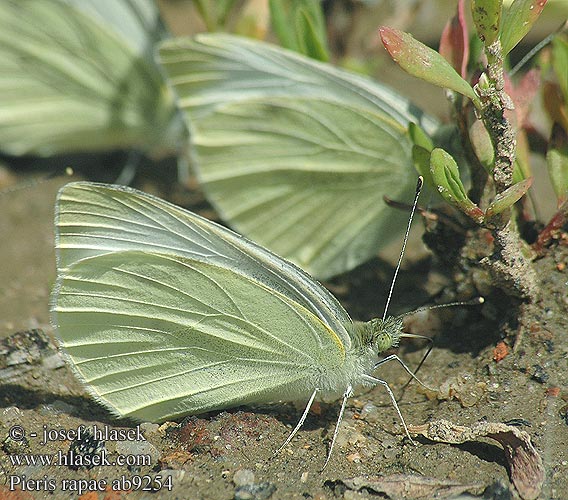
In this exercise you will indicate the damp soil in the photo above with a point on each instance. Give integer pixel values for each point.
(495, 363)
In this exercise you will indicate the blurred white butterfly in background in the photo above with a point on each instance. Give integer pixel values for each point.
(162, 313)
(79, 75)
(294, 153)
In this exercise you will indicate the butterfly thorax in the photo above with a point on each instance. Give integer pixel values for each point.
(378, 334)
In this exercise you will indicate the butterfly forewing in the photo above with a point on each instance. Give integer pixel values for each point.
(94, 219)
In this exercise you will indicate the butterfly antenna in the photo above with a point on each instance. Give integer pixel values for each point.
(419, 185)
(473, 302)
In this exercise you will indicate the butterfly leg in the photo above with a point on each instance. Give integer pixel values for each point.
(408, 370)
(299, 424)
(346, 395)
(376, 381)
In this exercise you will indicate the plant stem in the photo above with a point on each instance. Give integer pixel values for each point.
(509, 267)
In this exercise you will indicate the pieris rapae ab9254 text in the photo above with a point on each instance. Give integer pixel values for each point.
(162, 313)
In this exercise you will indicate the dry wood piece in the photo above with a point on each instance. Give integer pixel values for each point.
(527, 470)
(401, 486)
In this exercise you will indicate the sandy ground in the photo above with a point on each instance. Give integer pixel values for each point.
(229, 454)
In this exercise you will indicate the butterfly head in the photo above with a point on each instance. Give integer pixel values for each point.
(380, 334)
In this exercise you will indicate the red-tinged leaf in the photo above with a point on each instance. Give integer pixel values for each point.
(473, 211)
(486, 16)
(423, 62)
(454, 44)
(523, 94)
(553, 229)
(518, 20)
(554, 103)
(508, 198)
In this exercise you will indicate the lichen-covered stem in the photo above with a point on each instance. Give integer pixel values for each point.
(509, 267)
(493, 114)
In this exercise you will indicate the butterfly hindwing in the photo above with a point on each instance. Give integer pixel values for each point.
(156, 336)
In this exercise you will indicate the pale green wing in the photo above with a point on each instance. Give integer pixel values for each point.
(213, 69)
(137, 22)
(93, 219)
(309, 181)
(293, 153)
(70, 80)
(159, 336)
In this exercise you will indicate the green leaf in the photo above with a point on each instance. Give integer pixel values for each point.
(294, 153)
(486, 16)
(205, 11)
(482, 145)
(518, 20)
(313, 42)
(224, 8)
(214, 12)
(419, 137)
(300, 26)
(421, 159)
(423, 62)
(280, 20)
(80, 77)
(522, 166)
(508, 198)
(557, 163)
(445, 175)
(560, 62)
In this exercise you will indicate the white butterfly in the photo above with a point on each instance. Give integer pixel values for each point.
(162, 313)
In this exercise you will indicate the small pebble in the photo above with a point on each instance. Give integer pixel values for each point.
(149, 428)
(260, 491)
(370, 413)
(11, 414)
(354, 495)
(175, 474)
(53, 362)
(243, 477)
(138, 448)
(354, 458)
